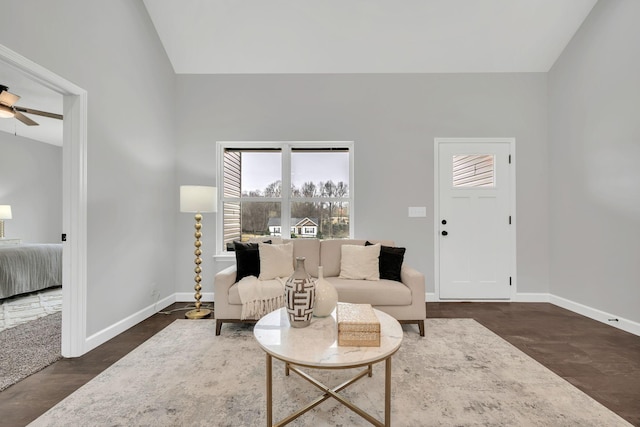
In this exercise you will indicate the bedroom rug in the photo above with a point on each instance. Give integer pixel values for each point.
(28, 348)
(22, 309)
(460, 374)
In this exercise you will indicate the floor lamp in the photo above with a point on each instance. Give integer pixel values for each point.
(198, 199)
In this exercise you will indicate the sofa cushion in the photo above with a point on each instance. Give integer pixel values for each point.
(247, 259)
(330, 253)
(390, 262)
(360, 262)
(376, 293)
(275, 260)
(309, 249)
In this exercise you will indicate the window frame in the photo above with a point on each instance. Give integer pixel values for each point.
(286, 198)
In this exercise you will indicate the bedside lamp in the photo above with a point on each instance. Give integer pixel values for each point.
(5, 213)
(198, 199)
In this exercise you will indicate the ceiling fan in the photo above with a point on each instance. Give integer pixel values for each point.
(9, 110)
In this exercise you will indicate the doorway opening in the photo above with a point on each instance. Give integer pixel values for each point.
(74, 197)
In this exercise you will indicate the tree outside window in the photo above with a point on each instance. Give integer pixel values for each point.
(255, 204)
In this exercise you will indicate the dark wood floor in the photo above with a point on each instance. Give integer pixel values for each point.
(600, 360)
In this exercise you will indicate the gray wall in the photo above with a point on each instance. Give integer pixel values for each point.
(112, 50)
(594, 140)
(577, 185)
(31, 182)
(393, 120)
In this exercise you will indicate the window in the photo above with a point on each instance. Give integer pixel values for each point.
(292, 189)
(473, 170)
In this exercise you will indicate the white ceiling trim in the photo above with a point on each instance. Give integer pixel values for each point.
(365, 36)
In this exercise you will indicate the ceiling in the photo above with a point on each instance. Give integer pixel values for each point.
(38, 97)
(365, 36)
(338, 36)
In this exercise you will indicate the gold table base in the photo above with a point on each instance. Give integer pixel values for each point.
(331, 392)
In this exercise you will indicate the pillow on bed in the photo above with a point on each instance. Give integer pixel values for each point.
(247, 259)
(390, 262)
(275, 261)
(360, 262)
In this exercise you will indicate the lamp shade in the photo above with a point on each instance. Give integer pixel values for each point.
(198, 198)
(5, 211)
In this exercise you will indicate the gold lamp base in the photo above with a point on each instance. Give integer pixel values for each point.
(198, 313)
(202, 313)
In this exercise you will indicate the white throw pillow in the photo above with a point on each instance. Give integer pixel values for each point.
(275, 260)
(360, 262)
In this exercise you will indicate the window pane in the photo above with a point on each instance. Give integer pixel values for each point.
(252, 173)
(320, 172)
(473, 170)
(248, 219)
(322, 220)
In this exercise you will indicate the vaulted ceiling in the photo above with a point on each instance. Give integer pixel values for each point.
(365, 36)
(340, 36)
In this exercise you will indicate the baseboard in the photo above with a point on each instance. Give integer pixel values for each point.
(595, 314)
(590, 312)
(531, 297)
(521, 297)
(119, 327)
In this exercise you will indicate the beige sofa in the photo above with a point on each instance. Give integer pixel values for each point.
(403, 300)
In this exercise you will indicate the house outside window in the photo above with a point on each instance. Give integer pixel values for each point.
(251, 197)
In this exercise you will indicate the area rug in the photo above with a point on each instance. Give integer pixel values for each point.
(28, 348)
(460, 374)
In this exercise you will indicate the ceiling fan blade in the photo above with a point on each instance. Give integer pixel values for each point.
(24, 119)
(8, 98)
(38, 112)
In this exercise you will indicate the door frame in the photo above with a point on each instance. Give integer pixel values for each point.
(74, 198)
(436, 210)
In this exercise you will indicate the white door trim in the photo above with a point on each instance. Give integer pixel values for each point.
(436, 207)
(74, 199)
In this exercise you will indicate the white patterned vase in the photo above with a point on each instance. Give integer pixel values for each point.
(326, 296)
(300, 296)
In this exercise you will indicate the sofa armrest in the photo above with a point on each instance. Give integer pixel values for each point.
(415, 281)
(222, 281)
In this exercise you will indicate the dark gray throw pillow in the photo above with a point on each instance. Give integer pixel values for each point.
(390, 261)
(247, 259)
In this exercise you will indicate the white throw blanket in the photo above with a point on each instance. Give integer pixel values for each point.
(260, 297)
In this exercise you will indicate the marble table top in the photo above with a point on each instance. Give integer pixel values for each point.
(317, 344)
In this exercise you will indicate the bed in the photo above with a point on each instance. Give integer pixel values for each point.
(29, 268)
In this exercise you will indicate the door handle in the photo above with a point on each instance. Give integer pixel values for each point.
(444, 233)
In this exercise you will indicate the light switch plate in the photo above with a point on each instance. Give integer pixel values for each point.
(417, 211)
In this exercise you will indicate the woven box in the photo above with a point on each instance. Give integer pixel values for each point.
(358, 325)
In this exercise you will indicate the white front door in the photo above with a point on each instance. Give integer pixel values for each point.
(474, 219)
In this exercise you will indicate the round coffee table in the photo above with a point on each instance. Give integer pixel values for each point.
(316, 346)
